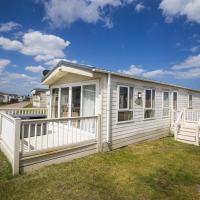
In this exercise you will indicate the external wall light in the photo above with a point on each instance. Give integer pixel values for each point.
(139, 95)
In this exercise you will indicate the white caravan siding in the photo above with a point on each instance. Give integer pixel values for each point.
(140, 129)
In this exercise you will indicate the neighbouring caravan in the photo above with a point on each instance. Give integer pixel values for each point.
(92, 110)
(40, 97)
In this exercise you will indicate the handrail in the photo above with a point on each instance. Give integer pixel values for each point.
(177, 123)
(57, 119)
(198, 132)
(179, 117)
(23, 109)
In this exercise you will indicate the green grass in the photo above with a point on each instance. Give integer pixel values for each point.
(162, 169)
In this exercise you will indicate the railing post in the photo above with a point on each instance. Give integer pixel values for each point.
(175, 131)
(0, 125)
(99, 141)
(197, 135)
(172, 118)
(16, 146)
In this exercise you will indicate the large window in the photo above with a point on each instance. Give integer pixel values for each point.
(125, 110)
(190, 101)
(73, 101)
(149, 108)
(54, 103)
(175, 99)
(165, 104)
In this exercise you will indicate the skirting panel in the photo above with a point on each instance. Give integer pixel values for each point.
(136, 138)
(36, 162)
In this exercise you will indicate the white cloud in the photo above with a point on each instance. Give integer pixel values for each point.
(194, 49)
(43, 58)
(4, 63)
(9, 26)
(65, 12)
(177, 8)
(37, 44)
(190, 62)
(35, 69)
(10, 82)
(187, 69)
(12, 45)
(54, 62)
(158, 73)
(133, 70)
(139, 7)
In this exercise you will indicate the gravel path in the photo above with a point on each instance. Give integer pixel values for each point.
(16, 105)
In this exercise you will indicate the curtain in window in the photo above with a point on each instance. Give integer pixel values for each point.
(54, 103)
(88, 102)
(64, 104)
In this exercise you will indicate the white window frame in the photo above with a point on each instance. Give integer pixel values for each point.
(81, 84)
(172, 97)
(163, 104)
(151, 108)
(189, 101)
(128, 103)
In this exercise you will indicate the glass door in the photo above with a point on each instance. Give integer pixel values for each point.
(76, 101)
(54, 103)
(64, 102)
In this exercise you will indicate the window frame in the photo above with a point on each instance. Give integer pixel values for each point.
(151, 108)
(189, 101)
(74, 84)
(167, 116)
(128, 103)
(172, 98)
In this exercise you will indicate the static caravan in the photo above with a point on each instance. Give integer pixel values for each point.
(39, 97)
(131, 109)
(92, 110)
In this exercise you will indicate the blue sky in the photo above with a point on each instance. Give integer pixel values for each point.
(156, 39)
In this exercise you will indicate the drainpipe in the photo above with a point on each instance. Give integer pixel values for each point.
(108, 108)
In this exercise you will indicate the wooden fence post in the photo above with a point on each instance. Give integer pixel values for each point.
(16, 146)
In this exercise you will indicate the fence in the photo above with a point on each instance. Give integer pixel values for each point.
(44, 134)
(10, 139)
(24, 111)
(192, 116)
(23, 138)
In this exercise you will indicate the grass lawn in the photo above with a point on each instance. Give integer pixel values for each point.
(162, 169)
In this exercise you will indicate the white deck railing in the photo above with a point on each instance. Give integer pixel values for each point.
(10, 139)
(22, 138)
(24, 111)
(43, 135)
(191, 115)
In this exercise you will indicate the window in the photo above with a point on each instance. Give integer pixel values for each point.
(190, 101)
(175, 97)
(125, 110)
(149, 110)
(54, 103)
(88, 102)
(165, 104)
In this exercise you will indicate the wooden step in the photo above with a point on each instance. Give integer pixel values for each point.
(183, 132)
(185, 137)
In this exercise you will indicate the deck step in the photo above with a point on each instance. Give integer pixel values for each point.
(183, 136)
